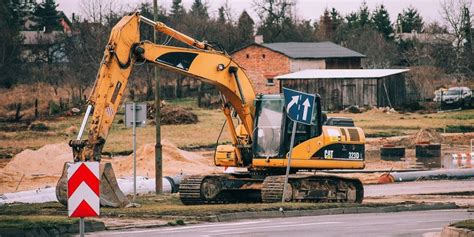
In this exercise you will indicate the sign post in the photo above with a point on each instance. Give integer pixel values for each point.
(83, 191)
(135, 115)
(299, 108)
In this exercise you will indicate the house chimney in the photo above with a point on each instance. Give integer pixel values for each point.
(258, 39)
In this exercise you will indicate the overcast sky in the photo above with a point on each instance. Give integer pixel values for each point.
(306, 9)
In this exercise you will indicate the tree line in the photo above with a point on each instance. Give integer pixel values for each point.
(72, 59)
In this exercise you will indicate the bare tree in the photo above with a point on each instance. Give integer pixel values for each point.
(274, 11)
(96, 11)
(86, 46)
(459, 20)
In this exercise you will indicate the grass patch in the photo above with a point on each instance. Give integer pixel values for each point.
(388, 133)
(31, 222)
(466, 224)
(169, 207)
(382, 124)
(462, 116)
(206, 131)
(119, 141)
(459, 128)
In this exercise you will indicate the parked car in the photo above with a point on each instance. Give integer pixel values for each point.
(455, 97)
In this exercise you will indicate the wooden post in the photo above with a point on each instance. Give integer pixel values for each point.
(36, 108)
(158, 148)
(61, 109)
(17, 113)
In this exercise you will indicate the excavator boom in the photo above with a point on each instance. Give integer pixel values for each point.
(121, 53)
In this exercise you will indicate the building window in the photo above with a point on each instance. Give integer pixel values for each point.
(248, 56)
(263, 55)
(270, 82)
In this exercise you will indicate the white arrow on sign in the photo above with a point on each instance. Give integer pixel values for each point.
(294, 100)
(306, 105)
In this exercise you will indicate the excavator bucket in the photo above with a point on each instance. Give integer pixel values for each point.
(110, 193)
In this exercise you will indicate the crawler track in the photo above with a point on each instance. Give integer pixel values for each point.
(219, 188)
(228, 188)
(313, 188)
(190, 190)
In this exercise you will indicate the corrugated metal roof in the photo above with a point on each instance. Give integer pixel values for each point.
(313, 50)
(341, 73)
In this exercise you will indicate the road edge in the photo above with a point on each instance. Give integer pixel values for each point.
(330, 211)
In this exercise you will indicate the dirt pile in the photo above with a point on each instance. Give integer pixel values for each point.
(422, 136)
(36, 169)
(172, 114)
(177, 115)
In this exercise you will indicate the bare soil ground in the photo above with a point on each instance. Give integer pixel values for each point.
(377, 123)
(32, 169)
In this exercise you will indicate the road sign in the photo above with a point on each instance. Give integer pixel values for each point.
(135, 116)
(140, 114)
(83, 185)
(299, 105)
(299, 108)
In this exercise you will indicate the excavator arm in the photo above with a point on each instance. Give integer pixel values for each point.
(124, 49)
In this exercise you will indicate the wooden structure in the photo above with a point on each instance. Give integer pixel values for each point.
(340, 88)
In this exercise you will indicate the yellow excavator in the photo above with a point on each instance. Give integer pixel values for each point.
(260, 138)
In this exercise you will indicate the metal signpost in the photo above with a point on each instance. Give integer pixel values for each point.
(135, 115)
(299, 108)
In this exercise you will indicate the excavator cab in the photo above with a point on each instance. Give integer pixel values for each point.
(273, 128)
(269, 117)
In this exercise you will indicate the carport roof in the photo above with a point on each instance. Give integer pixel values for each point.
(341, 73)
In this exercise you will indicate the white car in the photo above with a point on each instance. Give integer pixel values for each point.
(455, 96)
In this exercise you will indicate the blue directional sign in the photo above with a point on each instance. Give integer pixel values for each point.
(299, 105)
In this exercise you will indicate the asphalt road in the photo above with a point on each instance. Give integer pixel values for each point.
(421, 187)
(421, 223)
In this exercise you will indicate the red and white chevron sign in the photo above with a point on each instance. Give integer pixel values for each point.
(83, 189)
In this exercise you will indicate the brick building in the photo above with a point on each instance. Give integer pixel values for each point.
(263, 62)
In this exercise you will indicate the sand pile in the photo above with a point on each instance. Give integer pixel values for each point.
(175, 161)
(422, 136)
(36, 169)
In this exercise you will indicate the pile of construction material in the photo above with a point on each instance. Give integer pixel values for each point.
(33, 169)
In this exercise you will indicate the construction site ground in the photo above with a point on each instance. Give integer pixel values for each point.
(34, 159)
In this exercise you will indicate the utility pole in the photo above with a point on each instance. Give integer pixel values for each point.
(158, 147)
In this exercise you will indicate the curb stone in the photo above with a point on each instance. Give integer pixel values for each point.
(451, 231)
(331, 211)
(59, 230)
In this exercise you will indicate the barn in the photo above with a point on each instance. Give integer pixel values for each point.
(340, 88)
